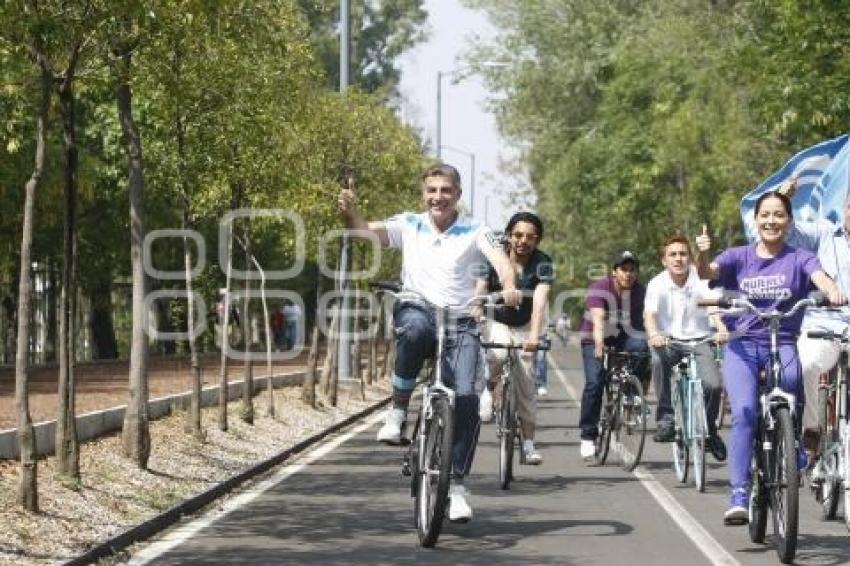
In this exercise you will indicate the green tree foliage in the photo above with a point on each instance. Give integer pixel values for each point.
(231, 98)
(640, 119)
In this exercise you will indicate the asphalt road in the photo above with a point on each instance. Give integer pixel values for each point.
(346, 503)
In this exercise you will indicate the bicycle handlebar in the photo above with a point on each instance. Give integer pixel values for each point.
(691, 341)
(501, 346)
(828, 335)
(727, 303)
(400, 293)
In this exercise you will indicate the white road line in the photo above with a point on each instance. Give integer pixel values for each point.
(708, 545)
(181, 533)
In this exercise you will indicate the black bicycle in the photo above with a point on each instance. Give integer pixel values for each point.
(509, 431)
(775, 474)
(428, 460)
(624, 410)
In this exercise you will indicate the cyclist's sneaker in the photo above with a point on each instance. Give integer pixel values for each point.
(665, 433)
(587, 449)
(485, 406)
(530, 455)
(739, 508)
(802, 460)
(459, 509)
(542, 391)
(717, 447)
(390, 433)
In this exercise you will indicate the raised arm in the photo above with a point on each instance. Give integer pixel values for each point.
(347, 204)
(706, 269)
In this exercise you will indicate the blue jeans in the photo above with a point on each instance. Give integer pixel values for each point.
(416, 339)
(594, 374)
(540, 377)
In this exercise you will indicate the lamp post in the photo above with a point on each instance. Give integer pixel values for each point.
(471, 156)
(440, 76)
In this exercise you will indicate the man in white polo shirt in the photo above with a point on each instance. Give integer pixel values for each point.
(441, 254)
(671, 311)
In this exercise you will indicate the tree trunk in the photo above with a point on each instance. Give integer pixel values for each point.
(136, 432)
(195, 372)
(246, 411)
(28, 484)
(331, 347)
(308, 388)
(268, 333)
(67, 448)
(225, 339)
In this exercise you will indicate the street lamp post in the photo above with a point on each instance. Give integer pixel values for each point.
(471, 156)
(440, 76)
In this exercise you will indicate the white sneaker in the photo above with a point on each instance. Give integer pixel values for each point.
(530, 455)
(459, 509)
(485, 406)
(587, 449)
(542, 391)
(390, 433)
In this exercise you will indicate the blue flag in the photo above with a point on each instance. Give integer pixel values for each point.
(823, 178)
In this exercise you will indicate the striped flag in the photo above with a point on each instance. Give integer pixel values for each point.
(823, 178)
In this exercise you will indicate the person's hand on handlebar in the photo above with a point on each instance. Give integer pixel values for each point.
(658, 340)
(836, 297)
(530, 345)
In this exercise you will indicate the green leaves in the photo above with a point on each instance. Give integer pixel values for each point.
(640, 119)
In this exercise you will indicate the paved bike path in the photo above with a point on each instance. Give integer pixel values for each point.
(351, 506)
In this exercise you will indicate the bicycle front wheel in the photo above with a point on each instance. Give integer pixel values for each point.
(828, 488)
(631, 424)
(758, 495)
(700, 433)
(607, 416)
(786, 489)
(435, 471)
(507, 436)
(680, 443)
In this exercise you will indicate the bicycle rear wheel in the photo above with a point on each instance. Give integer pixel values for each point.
(827, 489)
(758, 495)
(631, 424)
(786, 489)
(507, 436)
(607, 416)
(435, 469)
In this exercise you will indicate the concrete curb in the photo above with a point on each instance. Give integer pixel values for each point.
(152, 526)
(98, 423)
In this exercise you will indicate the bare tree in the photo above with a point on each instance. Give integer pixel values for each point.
(28, 485)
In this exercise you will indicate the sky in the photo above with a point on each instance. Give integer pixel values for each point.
(466, 124)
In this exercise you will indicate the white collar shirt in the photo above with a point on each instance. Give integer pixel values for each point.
(442, 266)
(675, 307)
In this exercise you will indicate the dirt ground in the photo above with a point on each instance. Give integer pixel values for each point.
(101, 385)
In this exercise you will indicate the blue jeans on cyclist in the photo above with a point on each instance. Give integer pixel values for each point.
(416, 340)
(591, 399)
(663, 361)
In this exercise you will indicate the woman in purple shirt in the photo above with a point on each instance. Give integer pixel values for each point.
(771, 274)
